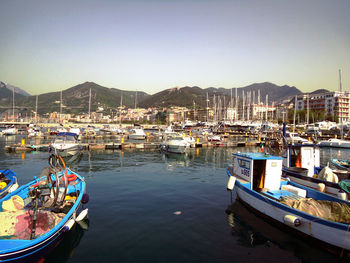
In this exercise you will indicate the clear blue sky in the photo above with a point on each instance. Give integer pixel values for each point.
(158, 44)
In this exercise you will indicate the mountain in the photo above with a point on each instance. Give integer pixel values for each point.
(11, 87)
(6, 97)
(76, 99)
(319, 91)
(185, 96)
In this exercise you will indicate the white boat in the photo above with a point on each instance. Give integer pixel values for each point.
(256, 179)
(9, 131)
(301, 164)
(137, 134)
(66, 144)
(174, 145)
(293, 137)
(338, 143)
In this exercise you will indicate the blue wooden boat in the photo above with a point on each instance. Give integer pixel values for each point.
(341, 164)
(8, 182)
(256, 179)
(36, 216)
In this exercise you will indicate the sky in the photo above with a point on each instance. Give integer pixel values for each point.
(152, 45)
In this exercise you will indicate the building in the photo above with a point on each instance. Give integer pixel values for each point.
(334, 103)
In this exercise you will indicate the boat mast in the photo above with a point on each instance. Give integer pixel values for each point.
(341, 106)
(135, 99)
(13, 104)
(61, 107)
(207, 106)
(120, 111)
(36, 109)
(267, 106)
(236, 106)
(90, 104)
(307, 110)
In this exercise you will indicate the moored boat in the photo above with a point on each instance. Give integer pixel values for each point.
(175, 144)
(36, 216)
(341, 164)
(256, 178)
(8, 182)
(137, 134)
(66, 144)
(337, 143)
(301, 164)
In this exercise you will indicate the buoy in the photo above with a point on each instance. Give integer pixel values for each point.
(82, 215)
(291, 220)
(341, 195)
(3, 185)
(85, 199)
(68, 226)
(321, 187)
(231, 183)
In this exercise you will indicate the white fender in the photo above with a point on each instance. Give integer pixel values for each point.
(82, 215)
(231, 183)
(291, 220)
(69, 224)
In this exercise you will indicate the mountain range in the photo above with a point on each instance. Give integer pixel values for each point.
(76, 99)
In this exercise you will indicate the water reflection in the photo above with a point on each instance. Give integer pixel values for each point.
(254, 232)
(65, 249)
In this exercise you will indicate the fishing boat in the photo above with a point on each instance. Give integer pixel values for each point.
(174, 144)
(341, 164)
(256, 179)
(8, 182)
(301, 164)
(36, 216)
(137, 134)
(66, 144)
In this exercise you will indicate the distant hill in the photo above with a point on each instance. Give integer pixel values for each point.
(6, 96)
(319, 91)
(76, 99)
(185, 96)
(17, 90)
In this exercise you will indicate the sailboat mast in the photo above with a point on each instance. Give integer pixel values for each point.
(120, 111)
(340, 99)
(61, 107)
(36, 109)
(90, 104)
(13, 104)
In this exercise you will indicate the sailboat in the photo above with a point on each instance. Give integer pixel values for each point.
(335, 142)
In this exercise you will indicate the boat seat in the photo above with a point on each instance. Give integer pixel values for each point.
(279, 194)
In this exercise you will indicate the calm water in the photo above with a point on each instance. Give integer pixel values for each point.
(148, 207)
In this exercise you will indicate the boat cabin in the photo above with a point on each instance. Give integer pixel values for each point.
(263, 171)
(305, 156)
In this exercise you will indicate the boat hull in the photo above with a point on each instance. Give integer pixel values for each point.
(12, 184)
(24, 250)
(330, 187)
(326, 231)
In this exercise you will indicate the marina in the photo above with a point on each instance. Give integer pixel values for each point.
(152, 221)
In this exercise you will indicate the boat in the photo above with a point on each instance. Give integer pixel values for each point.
(137, 134)
(334, 142)
(36, 217)
(174, 144)
(9, 131)
(257, 180)
(66, 144)
(215, 138)
(8, 182)
(301, 164)
(341, 164)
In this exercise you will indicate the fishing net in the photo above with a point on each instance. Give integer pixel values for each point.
(333, 211)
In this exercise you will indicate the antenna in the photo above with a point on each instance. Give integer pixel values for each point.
(61, 107)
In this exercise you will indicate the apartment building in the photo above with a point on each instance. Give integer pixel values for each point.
(334, 103)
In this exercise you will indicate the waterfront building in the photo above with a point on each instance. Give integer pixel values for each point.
(334, 103)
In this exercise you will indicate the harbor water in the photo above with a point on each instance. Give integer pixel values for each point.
(146, 206)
